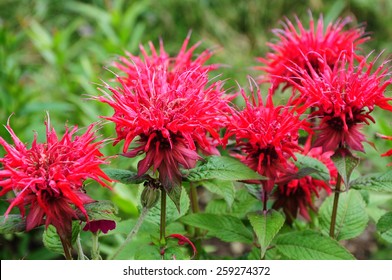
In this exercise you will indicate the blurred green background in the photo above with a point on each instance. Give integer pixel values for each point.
(53, 56)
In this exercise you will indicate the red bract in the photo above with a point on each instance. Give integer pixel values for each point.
(296, 195)
(171, 106)
(47, 178)
(295, 43)
(344, 97)
(388, 153)
(267, 135)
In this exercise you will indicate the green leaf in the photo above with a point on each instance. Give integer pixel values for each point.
(125, 176)
(311, 245)
(379, 182)
(222, 168)
(172, 213)
(384, 226)
(266, 226)
(345, 163)
(52, 241)
(227, 228)
(351, 219)
(12, 223)
(311, 166)
(99, 210)
(222, 188)
(175, 195)
(148, 252)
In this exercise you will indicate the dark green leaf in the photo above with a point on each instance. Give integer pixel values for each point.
(379, 182)
(12, 223)
(222, 188)
(351, 219)
(222, 168)
(310, 245)
(345, 163)
(224, 227)
(311, 166)
(266, 226)
(384, 226)
(52, 241)
(125, 176)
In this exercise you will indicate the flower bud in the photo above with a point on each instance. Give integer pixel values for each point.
(150, 196)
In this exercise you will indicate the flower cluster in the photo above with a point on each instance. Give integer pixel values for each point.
(171, 107)
(48, 178)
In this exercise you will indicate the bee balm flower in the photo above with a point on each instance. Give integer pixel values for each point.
(47, 178)
(344, 97)
(296, 44)
(169, 105)
(267, 136)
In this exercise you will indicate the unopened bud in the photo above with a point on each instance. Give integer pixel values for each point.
(150, 196)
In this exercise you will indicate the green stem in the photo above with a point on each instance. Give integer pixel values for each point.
(81, 255)
(67, 247)
(162, 236)
(335, 206)
(133, 232)
(95, 247)
(194, 205)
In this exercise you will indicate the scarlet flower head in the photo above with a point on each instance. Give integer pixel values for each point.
(171, 107)
(296, 195)
(47, 178)
(344, 97)
(295, 43)
(267, 135)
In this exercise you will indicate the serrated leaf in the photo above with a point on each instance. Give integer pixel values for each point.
(384, 226)
(126, 176)
(351, 218)
(379, 182)
(266, 226)
(172, 212)
(222, 188)
(227, 228)
(311, 166)
(311, 245)
(222, 168)
(100, 210)
(52, 241)
(12, 223)
(345, 162)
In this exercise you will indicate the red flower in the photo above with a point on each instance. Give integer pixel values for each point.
(47, 178)
(296, 44)
(296, 195)
(171, 106)
(344, 97)
(267, 135)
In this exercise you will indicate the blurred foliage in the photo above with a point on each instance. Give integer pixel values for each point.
(54, 54)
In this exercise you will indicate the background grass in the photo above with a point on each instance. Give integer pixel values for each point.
(53, 54)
